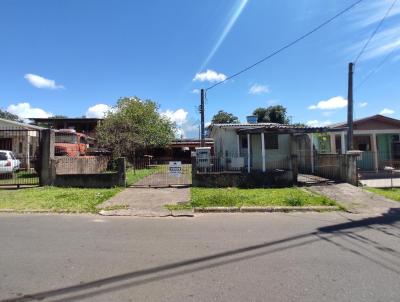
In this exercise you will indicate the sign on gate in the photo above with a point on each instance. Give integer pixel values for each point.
(175, 168)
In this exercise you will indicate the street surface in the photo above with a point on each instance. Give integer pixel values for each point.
(214, 257)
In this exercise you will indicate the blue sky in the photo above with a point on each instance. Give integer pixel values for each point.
(77, 58)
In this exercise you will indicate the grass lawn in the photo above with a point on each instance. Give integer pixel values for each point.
(133, 176)
(235, 197)
(72, 200)
(388, 193)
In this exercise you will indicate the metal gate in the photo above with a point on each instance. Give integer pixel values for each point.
(159, 173)
(19, 157)
(317, 167)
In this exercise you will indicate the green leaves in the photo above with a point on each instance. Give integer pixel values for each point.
(134, 124)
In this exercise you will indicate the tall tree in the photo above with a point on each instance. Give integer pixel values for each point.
(9, 116)
(223, 117)
(134, 125)
(272, 114)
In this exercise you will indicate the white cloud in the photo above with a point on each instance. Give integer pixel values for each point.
(185, 127)
(336, 102)
(179, 116)
(97, 111)
(316, 123)
(209, 76)
(387, 111)
(26, 111)
(41, 82)
(366, 18)
(362, 104)
(258, 89)
(195, 91)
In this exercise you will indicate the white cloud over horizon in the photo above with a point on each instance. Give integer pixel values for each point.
(25, 111)
(336, 102)
(209, 76)
(362, 104)
(41, 82)
(387, 111)
(317, 123)
(185, 127)
(258, 89)
(97, 111)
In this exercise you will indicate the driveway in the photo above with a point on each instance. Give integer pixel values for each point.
(145, 202)
(298, 257)
(355, 199)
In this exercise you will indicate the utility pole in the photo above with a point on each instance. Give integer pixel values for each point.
(202, 117)
(350, 109)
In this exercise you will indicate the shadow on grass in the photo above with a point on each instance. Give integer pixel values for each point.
(327, 234)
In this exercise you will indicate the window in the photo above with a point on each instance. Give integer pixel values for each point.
(20, 147)
(3, 156)
(244, 142)
(271, 141)
(362, 142)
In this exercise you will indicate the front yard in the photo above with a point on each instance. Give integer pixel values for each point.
(235, 197)
(54, 199)
(388, 193)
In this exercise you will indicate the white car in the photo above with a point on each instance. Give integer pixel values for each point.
(8, 162)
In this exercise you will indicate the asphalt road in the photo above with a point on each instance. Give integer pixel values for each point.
(227, 257)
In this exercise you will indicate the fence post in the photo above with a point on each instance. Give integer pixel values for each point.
(121, 166)
(351, 166)
(47, 171)
(194, 170)
(295, 167)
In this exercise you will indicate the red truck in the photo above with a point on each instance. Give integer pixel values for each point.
(70, 143)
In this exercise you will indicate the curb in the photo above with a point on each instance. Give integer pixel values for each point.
(265, 209)
(40, 212)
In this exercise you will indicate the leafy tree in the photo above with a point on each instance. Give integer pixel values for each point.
(272, 114)
(9, 116)
(223, 117)
(134, 125)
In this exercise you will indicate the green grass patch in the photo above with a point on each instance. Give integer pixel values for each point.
(236, 197)
(54, 199)
(133, 176)
(388, 193)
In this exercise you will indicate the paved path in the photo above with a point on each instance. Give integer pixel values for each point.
(307, 257)
(381, 182)
(355, 199)
(146, 202)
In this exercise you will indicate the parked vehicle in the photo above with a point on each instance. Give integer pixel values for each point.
(70, 143)
(8, 162)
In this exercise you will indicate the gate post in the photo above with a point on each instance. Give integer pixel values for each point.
(295, 167)
(121, 166)
(351, 166)
(47, 173)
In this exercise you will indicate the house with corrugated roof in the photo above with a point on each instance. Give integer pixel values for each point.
(378, 136)
(264, 146)
(20, 138)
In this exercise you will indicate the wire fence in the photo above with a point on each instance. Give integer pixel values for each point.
(19, 157)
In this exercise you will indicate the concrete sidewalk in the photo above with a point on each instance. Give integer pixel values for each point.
(145, 202)
(355, 199)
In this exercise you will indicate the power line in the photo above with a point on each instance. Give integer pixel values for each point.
(377, 67)
(288, 45)
(375, 31)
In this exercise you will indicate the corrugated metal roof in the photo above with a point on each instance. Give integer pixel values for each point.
(263, 125)
(15, 125)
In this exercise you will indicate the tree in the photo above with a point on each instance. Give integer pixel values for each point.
(134, 125)
(9, 116)
(223, 117)
(272, 114)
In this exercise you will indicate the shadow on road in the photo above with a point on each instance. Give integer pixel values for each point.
(345, 231)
